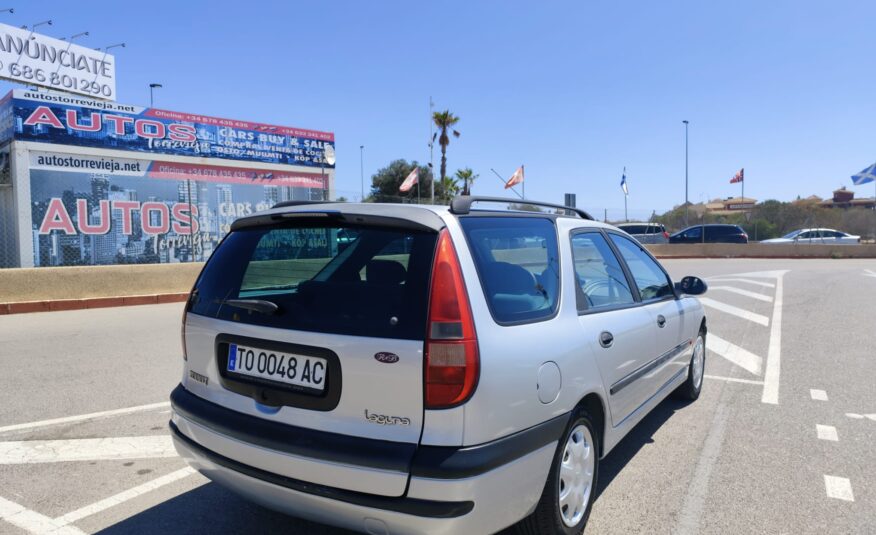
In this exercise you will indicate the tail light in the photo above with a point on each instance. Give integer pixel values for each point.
(452, 361)
(665, 234)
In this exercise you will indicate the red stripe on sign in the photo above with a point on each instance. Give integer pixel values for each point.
(235, 175)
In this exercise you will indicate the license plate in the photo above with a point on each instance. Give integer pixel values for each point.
(298, 370)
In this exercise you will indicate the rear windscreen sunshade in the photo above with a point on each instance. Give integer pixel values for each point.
(321, 276)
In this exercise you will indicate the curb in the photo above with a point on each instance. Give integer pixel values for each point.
(24, 307)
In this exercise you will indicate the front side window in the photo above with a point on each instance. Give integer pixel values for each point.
(694, 233)
(600, 280)
(518, 264)
(649, 277)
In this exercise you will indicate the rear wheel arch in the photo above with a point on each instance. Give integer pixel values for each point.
(593, 405)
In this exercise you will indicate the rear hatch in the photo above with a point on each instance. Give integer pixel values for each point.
(317, 321)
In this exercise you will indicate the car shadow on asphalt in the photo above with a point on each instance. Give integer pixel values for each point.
(213, 509)
(630, 445)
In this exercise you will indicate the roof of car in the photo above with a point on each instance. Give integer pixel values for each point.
(425, 215)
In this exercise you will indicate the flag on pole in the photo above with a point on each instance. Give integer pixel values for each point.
(409, 182)
(516, 178)
(738, 177)
(865, 176)
(624, 182)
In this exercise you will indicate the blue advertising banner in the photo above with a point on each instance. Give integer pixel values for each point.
(71, 120)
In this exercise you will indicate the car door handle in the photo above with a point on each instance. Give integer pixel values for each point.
(606, 339)
(661, 321)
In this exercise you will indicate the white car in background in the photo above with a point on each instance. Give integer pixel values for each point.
(824, 236)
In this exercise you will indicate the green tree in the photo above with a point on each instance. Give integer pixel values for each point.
(386, 182)
(467, 176)
(445, 121)
(448, 188)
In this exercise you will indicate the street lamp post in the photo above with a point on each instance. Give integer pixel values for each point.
(686, 203)
(362, 171)
(152, 87)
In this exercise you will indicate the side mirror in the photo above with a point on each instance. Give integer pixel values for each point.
(691, 286)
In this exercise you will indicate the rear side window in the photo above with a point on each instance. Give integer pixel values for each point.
(600, 279)
(364, 281)
(518, 265)
(649, 276)
(636, 229)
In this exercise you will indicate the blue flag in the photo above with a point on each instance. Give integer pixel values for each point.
(624, 182)
(865, 176)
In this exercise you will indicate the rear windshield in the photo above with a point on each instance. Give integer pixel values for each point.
(518, 264)
(364, 281)
(641, 229)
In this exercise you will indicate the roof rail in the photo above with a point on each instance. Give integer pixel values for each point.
(462, 205)
(285, 204)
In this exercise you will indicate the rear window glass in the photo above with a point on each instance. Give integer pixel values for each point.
(642, 229)
(518, 264)
(364, 281)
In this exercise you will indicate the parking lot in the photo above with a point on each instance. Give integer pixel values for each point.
(781, 440)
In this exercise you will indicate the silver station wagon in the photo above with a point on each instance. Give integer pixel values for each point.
(426, 369)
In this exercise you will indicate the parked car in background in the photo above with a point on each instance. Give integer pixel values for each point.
(710, 233)
(646, 232)
(449, 371)
(824, 236)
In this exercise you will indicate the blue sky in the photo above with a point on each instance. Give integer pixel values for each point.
(573, 90)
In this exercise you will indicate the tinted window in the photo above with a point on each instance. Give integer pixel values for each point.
(363, 281)
(650, 278)
(600, 280)
(694, 233)
(518, 264)
(635, 229)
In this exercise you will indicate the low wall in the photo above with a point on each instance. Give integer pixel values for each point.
(88, 282)
(761, 250)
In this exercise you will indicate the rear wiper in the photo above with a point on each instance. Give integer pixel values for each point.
(259, 305)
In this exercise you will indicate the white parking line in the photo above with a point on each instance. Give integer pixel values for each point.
(33, 522)
(747, 293)
(869, 273)
(735, 354)
(124, 496)
(857, 416)
(749, 281)
(818, 395)
(86, 449)
(774, 353)
(736, 311)
(826, 432)
(733, 379)
(839, 488)
(84, 417)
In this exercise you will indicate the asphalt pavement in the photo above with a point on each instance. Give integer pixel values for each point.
(781, 440)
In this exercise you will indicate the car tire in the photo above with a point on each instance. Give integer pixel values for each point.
(691, 388)
(575, 462)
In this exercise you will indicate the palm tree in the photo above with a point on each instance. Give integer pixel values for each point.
(446, 189)
(444, 120)
(468, 177)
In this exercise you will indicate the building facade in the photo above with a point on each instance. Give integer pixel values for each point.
(86, 182)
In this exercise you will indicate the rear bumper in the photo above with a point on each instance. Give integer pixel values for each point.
(479, 489)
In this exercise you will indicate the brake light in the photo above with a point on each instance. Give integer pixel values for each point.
(452, 361)
(665, 234)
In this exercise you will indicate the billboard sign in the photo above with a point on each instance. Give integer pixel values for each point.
(89, 210)
(70, 120)
(36, 59)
